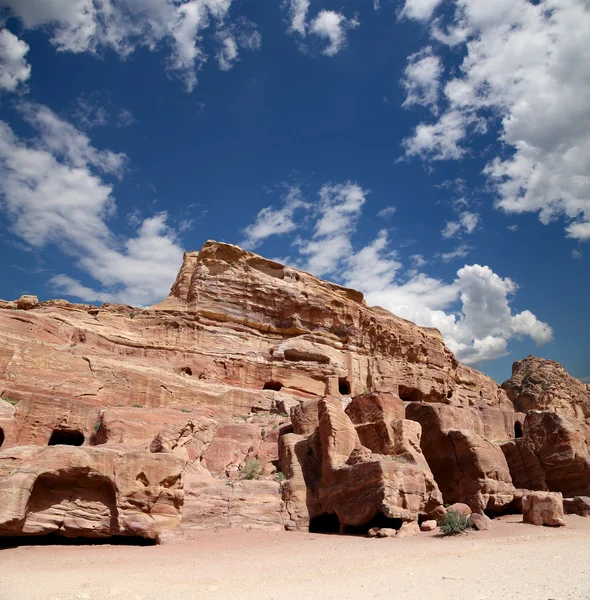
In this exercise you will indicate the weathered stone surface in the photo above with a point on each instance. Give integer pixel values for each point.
(580, 505)
(543, 508)
(88, 492)
(188, 440)
(540, 384)
(553, 454)
(467, 467)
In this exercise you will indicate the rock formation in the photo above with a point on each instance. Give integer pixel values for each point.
(258, 396)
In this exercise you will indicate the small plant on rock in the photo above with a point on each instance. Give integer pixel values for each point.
(281, 476)
(455, 522)
(252, 469)
(137, 405)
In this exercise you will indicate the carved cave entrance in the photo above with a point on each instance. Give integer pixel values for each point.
(1, 437)
(273, 385)
(343, 387)
(409, 394)
(66, 437)
(326, 523)
(518, 429)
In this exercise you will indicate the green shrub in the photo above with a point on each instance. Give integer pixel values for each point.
(132, 314)
(137, 405)
(263, 433)
(252, 469)
(455, 522)
(97, 426)
(10, 400)
(281, 476)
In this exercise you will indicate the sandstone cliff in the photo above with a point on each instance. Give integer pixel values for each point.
(242, 374)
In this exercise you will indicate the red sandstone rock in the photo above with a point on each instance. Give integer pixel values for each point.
(460, 508)
(467, 467)
(481, 522)
(386, 532)
(543, 508)
(553, 454)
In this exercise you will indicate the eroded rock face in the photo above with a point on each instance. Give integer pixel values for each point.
(467, 467)
(552, 454)
(89, 492)
(540, 384)
(332, 472)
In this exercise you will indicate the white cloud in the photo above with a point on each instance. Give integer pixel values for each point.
(270, 221)
(298, 15)
(125, 118)
(469, 221)
(577, 254)
(451, 229)
(525, 63)
(328, 24)
(460, 251)
(14, 69)
(53, 194)
(387, 212)
(422, 79)
(125, 25)
(332, 26)
(472, 312)
(421, 10)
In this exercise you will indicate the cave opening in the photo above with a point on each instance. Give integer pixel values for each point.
(343, 387)
(272, 385)
(1, 437)
(186, 371)
(53, 539)
(518, 429)
(379, 520)
(326, 523)
(410, 394)
(66, 437)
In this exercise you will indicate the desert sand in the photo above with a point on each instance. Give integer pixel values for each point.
(513, 560)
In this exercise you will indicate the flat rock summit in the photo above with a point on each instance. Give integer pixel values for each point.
(259, 396)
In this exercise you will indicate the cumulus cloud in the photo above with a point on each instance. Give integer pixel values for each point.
(524, 63)
(472, 312)
(125, 25)
(14, 69)
(422, 79)
(329, 25)
(54, 192)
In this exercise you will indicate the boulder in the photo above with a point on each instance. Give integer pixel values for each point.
(481, 522)
(386, 532)
(430, 525)
(580, 505)
(460, 508)
(408, 529)
(543, 508)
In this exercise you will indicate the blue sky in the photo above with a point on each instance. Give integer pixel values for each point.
(435, 154)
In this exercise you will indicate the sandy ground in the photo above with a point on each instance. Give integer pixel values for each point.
(513, 560)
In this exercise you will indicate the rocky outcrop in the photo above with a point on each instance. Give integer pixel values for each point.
(344, 416)
(540, 384)
(332, 472)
